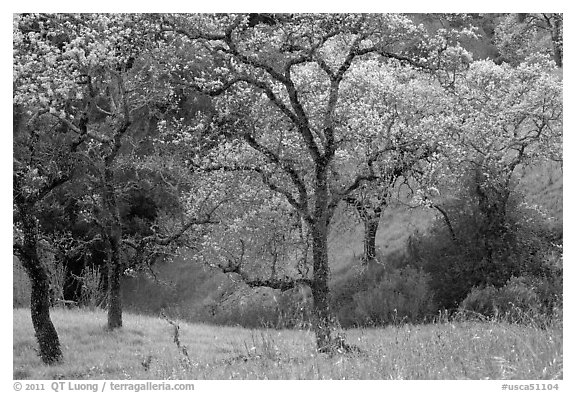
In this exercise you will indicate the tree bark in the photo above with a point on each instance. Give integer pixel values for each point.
(370, 228)
(554, 23)
(114, 291)
(447, 222)
(371, 222)
(323, 320)
(114, 261)
(320, 290)
(557, 43)
(492, 203)
(44, 329)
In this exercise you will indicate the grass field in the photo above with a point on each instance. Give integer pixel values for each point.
(144, 349)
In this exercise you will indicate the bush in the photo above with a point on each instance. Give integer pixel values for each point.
(381, 296)
(521, 300)
(481, 301)
(261, 307)
(20, 285)
(92, 293)
(491, 243)
(401, 296)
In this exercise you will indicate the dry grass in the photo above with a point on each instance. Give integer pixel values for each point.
(144, 349)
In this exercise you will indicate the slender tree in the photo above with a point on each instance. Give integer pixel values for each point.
(43, 161)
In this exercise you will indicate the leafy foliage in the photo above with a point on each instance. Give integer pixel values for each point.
(383, 295)
(521, 300)
(457, 264)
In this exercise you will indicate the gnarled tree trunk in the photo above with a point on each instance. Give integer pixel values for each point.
(370, 216)
(44, 329)
(114, 261)
(371, 223)
(320, 291)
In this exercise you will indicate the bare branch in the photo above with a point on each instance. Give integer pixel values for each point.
(354, 51)
(103, 111)
(167, 240)
(284, 284)
(310, 56)
(403, 59)
(447, 221)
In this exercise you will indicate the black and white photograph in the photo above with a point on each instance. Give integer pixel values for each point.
(286, 196)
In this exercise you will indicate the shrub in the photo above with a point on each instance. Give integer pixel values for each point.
(92, 293)
(490, 243)
(401, 296)
(20, 285)
(382, 295)
(263, 307)
(521, 300)
(481, 301)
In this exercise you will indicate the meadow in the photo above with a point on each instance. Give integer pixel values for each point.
(145, 349)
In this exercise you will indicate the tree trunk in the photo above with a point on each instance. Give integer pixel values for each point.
(371, 220)
(320, 290)
(555, 24)
(371, 224)
(44, 329)
(114, 291)
(492, 204)
(114, 260)
(323, 320)
(46, 334)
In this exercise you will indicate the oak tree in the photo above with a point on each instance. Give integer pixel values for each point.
(286, 92)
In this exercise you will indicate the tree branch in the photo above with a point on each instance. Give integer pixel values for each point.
(167, 240)
(256, 83)
(389, 55)
(447, 221)
(266, 180)
(45, 190)
(285, 166)
(117, 142)
(82, 132)
(233, 50)
(310, 56)
(301, 119)
(274, 283)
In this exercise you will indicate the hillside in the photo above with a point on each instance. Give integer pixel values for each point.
(144, 349)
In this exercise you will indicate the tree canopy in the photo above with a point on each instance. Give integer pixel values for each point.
(241, 135)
